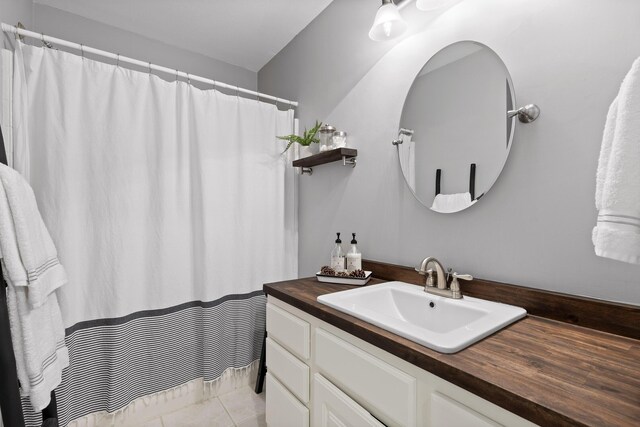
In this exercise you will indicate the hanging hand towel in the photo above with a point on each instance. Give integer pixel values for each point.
(37, 333)
(38, 255)
(617, 231)
(407, 154)
(448, 203)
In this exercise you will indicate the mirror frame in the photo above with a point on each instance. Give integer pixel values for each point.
(511, 135)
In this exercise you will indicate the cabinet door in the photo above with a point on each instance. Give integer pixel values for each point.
(333, 408)
(385, 390)
(446, 412)
(283, 409)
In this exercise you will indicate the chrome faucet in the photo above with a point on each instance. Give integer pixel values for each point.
(441, 288)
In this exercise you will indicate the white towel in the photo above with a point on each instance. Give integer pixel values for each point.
(617, 231)
(38, 255)
(407, 154)
(448, 203)
(38, 344)
(37, 333)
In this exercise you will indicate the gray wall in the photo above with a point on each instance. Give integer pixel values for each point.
(57, 23)
(12, 11)
(534, 227)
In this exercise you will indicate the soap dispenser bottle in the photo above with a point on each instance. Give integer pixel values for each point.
(337, 256)
(354, 257)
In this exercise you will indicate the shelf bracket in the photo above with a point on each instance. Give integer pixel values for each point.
(349, 161)
(304, 170)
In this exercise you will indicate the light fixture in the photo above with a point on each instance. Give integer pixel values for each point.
(388, 23)
(428, 5)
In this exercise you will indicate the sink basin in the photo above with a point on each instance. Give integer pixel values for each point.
(442, 324)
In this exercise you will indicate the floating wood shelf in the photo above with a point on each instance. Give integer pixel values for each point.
(347, 155)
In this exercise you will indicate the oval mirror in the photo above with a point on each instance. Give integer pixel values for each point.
(455, 134)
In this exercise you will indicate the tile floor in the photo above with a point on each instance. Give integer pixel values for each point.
(240, 408)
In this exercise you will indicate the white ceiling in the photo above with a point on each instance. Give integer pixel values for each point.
(247, 33)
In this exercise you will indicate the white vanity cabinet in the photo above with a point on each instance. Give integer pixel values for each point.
(321, 376)
(333, 408)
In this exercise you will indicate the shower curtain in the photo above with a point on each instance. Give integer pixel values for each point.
(170, 206)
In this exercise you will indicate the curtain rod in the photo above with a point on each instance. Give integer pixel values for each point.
(86, 49)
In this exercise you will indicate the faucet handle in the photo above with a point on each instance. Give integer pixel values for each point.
(455, 286)
(429, 281)
(462, 276)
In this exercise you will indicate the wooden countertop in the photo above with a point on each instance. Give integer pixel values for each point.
(549, 372)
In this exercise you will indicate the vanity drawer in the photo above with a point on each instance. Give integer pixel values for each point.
(385, 391)
(291, 372)
(288, 330)
(283, 409)
(446, 412)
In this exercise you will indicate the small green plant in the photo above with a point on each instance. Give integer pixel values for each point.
(308, 137)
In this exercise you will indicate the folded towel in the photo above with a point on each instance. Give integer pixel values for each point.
(617, 231)
(447, 203)
(38, 255)
(38, 344)
(37, 333)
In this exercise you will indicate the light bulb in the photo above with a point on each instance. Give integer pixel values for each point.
(387, 26)
(388, 23)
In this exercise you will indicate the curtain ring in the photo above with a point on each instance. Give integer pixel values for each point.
(277, 99)
(118, 60)
(176, 75)
(215, 83)
(82, 51)
(188, 79)
(238, 93)
(149, 67)
(45, 43)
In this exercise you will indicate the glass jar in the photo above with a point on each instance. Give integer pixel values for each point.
(339, 139)
(325, 134)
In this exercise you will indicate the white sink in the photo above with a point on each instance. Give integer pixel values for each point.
(442, 324)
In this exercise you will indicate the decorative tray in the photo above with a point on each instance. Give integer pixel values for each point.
(358, 281)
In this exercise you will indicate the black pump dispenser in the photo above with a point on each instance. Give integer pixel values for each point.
(354, 241)
(337, 256)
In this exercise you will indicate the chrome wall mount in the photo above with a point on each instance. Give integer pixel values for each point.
(526, 114)
(346, 161)
(349, 161)
(21, 27)
(402, 132)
